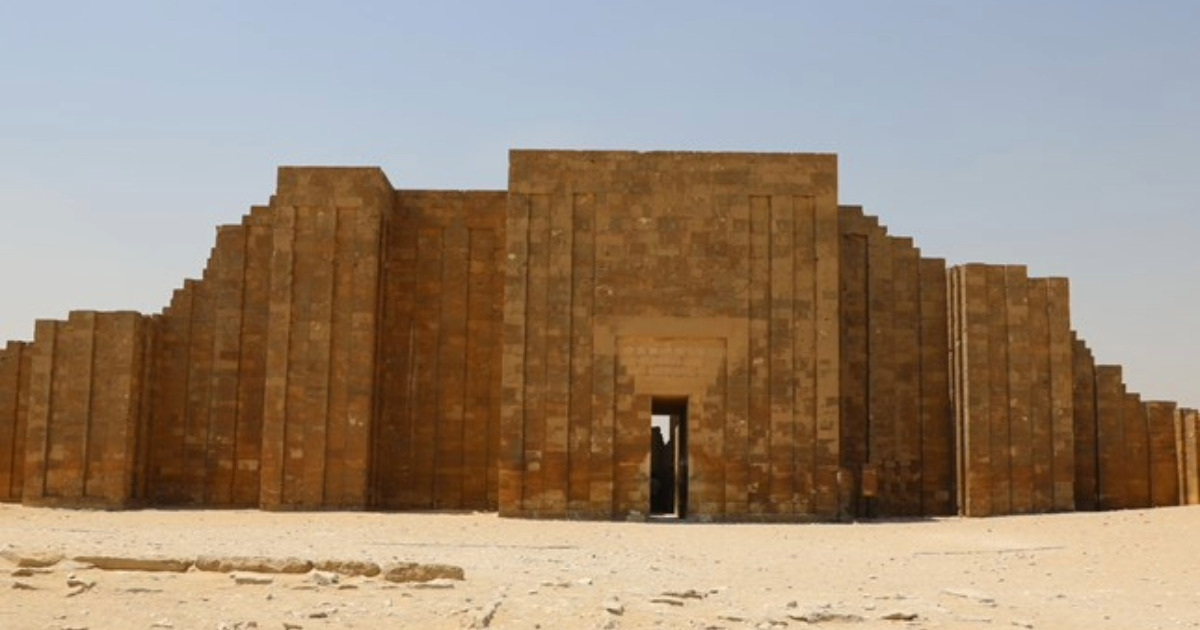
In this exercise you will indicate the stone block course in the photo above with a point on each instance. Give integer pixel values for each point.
(1110, 438)
(85, 410)
(1164, 465)
(1084, 422)
(436, 440)
(15, 362)
(895, 403)
(1189, 456)
(320, 365)
(1137, 452)
(1021, 459)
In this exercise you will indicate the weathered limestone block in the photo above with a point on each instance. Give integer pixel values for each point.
(437, 438)
(1086, 447)
(1011, 351)
(970, 347)
(1112, 491)
(170, 418)
(937, 417)
(414, 572)
(855, 230)
(1164, 464)
(319, 398)
(33, 559)
(999, 413)
(350, 568)
(86, 392)
(15, 360)
(131, 563)
(1137, 452)
(1189, 456)
(253, 564)
(1028, 376)
(1062, 400)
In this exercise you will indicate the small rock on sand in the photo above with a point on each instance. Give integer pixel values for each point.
(971, 594)
(483, 618)
(413, 572)
(349, 568)
(250, 579)
(151, 563)
(31, 559)
(255, 564)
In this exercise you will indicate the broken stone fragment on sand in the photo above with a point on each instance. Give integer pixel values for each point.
(413, 572)
(151, 563)
(254, 564)
(31, 559)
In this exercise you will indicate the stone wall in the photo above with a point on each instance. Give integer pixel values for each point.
(1138, 457)
(1188, 449)
(264, 381)
(439, 360)
(897, 426)
(351, 346)
(1163, 456)
(1086, 435)
(706, 277)
(209, 376)
(85, 414)
(319, 400)
(1012, 353)
(15, 365)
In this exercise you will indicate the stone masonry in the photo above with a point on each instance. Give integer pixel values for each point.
(355, 346)
(710, 277)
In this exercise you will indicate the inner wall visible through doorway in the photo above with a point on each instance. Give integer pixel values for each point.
(668, 457)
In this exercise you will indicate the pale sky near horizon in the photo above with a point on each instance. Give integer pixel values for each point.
(1061, 135)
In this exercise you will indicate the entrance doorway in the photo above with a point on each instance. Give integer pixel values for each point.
(668, 457)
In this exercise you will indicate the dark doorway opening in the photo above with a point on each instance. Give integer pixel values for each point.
(668, 457)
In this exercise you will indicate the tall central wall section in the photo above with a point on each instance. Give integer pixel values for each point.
(711, 278)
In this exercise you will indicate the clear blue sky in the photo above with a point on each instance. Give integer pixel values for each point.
(1062, 135)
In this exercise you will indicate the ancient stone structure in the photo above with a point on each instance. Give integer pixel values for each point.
(355, 346)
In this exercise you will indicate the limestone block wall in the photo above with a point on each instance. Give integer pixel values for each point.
(1086, 435)
(1163, 455)
(706, 278)
(1140, 446)
(897, 447)
(350, 346)
(86, 410)
(1187, 440)
(210, 368)
(15, 363)
(1116, 483)
(323, 316)
(437, 429)
(1013, 357)
(264, 381)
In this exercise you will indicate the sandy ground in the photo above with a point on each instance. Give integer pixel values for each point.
(1121, 570)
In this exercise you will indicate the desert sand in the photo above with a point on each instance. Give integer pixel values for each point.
(1122, 570)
